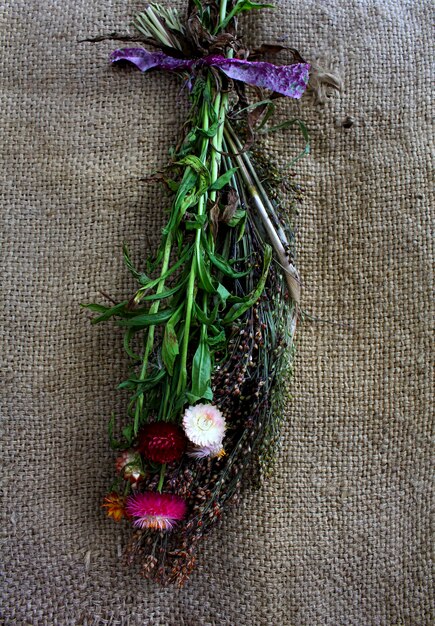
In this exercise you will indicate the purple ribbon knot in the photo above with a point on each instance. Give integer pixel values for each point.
(288, 80)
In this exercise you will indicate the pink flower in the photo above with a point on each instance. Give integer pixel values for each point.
(158, 511)
(204, 425)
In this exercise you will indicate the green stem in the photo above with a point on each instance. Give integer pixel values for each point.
(182, 380)
(162, 478)
(222, 12)
(290, 272)
(151, 331)
(220, 106)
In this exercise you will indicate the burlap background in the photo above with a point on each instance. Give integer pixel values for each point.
(340, 536)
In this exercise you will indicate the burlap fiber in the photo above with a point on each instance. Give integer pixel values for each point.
(340, 535)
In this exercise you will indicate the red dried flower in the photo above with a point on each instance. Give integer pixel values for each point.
(162, 442)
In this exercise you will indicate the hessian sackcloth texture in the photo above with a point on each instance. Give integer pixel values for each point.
(340, 534)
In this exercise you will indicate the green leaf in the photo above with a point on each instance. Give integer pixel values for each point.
(167, 293)
(241, 307)
(147, 319)
(197, 223)
(170, 347)
(198, 166)
(224, 179)
(207, 321)
(217, 339)
(304, 132)
(201, 372)
(224, 266)
(127, 432)
(241, 229)
(239, 215)
(138, 275)
(223, 293)
(127, 384)
(185, 190)
(129, 334)
(95, 308)
(107, 312)
(204, 275)
(151, 381)
(199, 6)
(153, 283)
(240, 7)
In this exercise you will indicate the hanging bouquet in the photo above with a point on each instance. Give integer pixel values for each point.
(210, 327)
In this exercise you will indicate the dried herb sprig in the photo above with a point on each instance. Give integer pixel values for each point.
(210, 328)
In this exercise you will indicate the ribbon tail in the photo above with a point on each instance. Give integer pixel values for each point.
(145, 60)
(288, 80)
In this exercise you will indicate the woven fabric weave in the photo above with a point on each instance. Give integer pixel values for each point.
(340, 535)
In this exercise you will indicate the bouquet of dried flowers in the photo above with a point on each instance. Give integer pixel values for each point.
(210, 327)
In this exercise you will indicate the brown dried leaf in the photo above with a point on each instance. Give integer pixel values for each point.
(232, 202)
(214, 215)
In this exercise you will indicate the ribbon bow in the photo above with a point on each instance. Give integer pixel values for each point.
(288, 80)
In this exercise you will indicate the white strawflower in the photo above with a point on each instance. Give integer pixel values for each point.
(204, 425)
(202, 452)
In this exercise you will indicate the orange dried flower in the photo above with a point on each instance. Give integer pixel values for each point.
(115, 506)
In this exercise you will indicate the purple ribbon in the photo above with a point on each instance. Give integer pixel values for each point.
(288, 80)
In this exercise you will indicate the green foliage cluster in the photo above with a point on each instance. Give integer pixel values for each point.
(215, 258)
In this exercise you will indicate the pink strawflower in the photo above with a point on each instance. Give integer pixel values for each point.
(158, 511)
(202, 452)
(204, 425)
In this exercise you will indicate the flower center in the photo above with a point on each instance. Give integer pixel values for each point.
(205, 422)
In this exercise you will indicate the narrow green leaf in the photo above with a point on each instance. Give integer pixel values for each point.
(217, 339)
(167, 293)
(203, 318)
(95, 308)
(224, 179)
(223, 293)
(240, 7)
(239, 215)
(179, 207)
(128, 433)
(204, 275)
(128, 336)
(147, 319)
(197, 223)
(224, 266)
(304, 132)
(107, 312)
(153, 283)
(170, 347)
(151, 381)
(201, 372)
(241, 307)
(127, 384)
(140, 276)
(198, 166)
